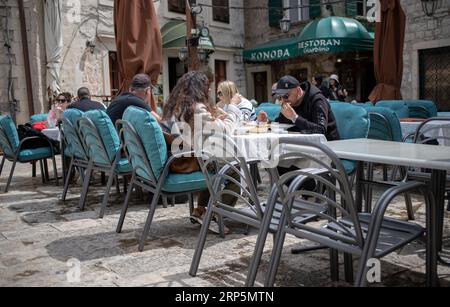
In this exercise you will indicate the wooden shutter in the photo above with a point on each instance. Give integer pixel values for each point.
(314, 9)
(221, 10)
(351, 8)
(275, 12)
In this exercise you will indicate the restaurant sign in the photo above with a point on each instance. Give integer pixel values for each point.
(319, 46)
(268, 55)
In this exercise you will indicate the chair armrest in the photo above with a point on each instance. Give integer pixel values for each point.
(19, 148)
(387, 198)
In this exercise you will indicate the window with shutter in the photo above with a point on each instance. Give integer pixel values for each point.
(298, 10)
(351, 8)
(221, 10)
(314, 10)
(179, 6)
(275, 12)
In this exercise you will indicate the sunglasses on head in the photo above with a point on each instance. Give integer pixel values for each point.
(62, 100)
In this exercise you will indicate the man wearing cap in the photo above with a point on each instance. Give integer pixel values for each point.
(139, 95)
(306, 107)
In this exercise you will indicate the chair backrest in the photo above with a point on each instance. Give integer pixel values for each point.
(419, 112)
(416, 108)
(9, 138)
(99, 136)
(352, 121)
(74, 145)
(399, 106)
(434, 131)
(38, 118)
(335, 193)
(145, 143)
(384, 124)
(273, 110)
(222, 162)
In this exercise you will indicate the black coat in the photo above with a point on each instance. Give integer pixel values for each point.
(315, 115)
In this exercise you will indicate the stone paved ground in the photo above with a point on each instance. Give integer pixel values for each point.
(39, 234)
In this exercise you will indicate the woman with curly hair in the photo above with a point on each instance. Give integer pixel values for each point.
(189, 107)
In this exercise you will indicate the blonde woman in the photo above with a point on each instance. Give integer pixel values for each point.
(229, 94)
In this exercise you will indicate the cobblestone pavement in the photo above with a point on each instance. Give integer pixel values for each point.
(39, 234)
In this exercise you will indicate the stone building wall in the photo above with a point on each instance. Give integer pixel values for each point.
(92, 20)
(422, 32)
(9, 18)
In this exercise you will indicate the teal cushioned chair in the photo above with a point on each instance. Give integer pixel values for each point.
(384, 124)
(74, 148)
(273, 110)
(422, 108)
(147, 149)
(38, 118)
(353, 123)
(399, 106)
(102, 144)
(13, 149)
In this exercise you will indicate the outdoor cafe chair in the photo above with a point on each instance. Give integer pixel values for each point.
(399, 106)
(422, 109)
(384, 126)
(13, 150)
(433, 131)
(147, 151)
(74, 148)
(222, 163)
(343, 228)
(353, 122)
(103, 147)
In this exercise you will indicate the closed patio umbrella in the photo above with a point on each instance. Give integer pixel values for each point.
(53, 44)
(138, 40)
(388, 52)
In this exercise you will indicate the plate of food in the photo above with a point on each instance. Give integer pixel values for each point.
(282, 126)
(261, 128)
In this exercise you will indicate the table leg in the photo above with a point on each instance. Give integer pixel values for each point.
(435, 222)
(359, 187)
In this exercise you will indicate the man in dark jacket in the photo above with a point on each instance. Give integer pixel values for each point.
(139, 95)
(306, 107)
(85, 103)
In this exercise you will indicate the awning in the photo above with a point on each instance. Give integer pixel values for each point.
(326, 35)
(174, 36)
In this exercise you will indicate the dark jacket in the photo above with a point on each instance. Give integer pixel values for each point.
(315, 115)
(121, 103)
(86, 105)
(334, 93)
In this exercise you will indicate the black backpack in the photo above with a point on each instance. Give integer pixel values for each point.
(26, 131)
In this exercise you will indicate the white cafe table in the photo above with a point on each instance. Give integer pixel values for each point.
(436, 158)
(52, 133)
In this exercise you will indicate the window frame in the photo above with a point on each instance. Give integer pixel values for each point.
(227, 19)
(300, 11)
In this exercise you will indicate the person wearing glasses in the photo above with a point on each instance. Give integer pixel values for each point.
(64, 100)
(305, 106)
(139, 95)
(228, 94)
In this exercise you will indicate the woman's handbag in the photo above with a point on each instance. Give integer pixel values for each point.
(185, 165)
